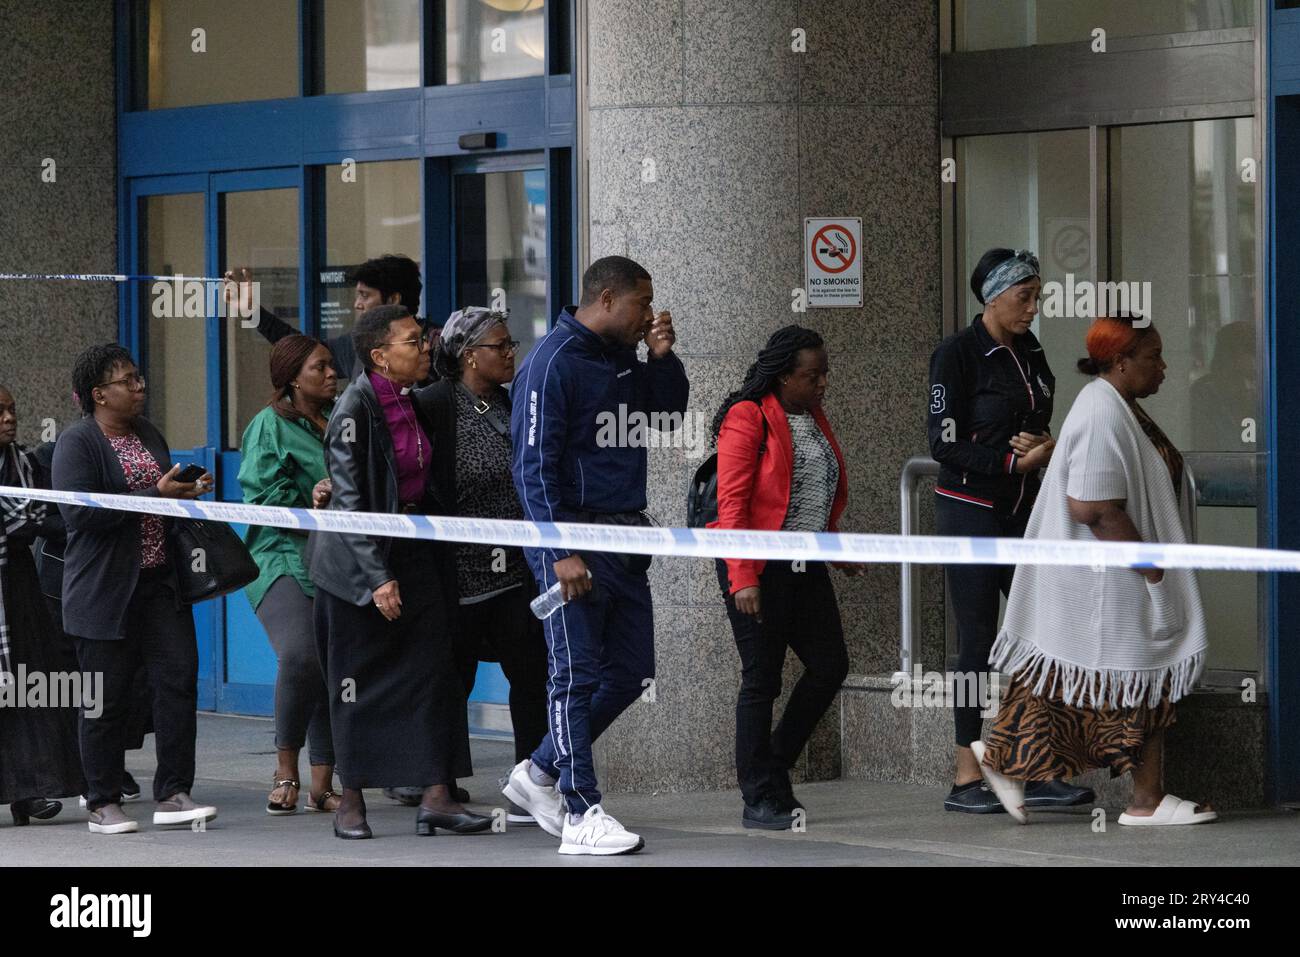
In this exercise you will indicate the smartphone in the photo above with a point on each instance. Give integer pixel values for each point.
(1035, 422)
(191, 473)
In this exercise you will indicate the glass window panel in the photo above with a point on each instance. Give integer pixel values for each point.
(370, 45)
(1031, 191)
(261, 234)
(501, 248)
(172, 241)
(377, 211)
(495, 39)
(997, 24)
(247, 50)
(1183, 220)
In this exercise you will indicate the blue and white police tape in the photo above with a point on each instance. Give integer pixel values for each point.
(699, 542)
(103, 277)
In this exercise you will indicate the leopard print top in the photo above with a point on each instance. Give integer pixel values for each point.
(485, 489)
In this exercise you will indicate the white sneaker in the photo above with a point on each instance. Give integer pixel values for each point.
(110, 819)
(180, 808)
(544, 803)
(598, 833)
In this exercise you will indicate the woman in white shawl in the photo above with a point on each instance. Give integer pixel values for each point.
(1098, 656)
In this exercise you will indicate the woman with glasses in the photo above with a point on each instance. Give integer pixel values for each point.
(469, 409)
(120, 590)
(383, 605)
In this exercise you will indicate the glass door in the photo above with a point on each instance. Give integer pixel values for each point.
(208, 372)
(169, 339)
(258, 228)
(499, 244)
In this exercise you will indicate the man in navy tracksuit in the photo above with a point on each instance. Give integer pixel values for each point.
(601, 642)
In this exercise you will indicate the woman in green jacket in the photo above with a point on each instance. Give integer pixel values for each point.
(284, 465)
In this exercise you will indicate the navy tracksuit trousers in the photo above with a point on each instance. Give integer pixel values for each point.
(602, 658)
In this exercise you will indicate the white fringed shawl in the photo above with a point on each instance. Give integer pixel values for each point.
(1113, 638)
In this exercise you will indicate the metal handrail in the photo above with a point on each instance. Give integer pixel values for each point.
(921, 466)
(916, 468)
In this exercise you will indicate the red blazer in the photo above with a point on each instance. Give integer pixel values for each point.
(754, 490)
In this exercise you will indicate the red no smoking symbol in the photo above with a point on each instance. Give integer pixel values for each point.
(833, 248)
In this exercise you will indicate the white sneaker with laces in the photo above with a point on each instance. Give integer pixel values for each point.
(598, 833)
(544, 803)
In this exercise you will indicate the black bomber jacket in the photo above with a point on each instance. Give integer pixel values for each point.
(982, 393)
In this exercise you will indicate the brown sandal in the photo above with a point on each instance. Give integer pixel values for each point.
(321, 802)
(278, 808)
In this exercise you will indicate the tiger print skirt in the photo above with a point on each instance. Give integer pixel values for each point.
(1040, 738)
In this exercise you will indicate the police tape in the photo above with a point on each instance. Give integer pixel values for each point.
(102, 277)
(697, 542)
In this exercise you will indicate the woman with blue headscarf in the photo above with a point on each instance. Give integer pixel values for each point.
(989, 411)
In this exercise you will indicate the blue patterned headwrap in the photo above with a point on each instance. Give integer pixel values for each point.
(1023, 265)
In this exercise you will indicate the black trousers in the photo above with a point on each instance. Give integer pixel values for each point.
(973, 591)
(799, 612)
(503, 628)
(158, 633)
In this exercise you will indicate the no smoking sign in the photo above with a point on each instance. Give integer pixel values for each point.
(833, 261)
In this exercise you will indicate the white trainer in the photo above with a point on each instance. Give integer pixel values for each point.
(598, 833)
(544, 803)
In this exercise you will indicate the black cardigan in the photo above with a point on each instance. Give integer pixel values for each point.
(102, 559)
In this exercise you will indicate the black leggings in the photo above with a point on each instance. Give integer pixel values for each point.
(973, 592)
(503, 628)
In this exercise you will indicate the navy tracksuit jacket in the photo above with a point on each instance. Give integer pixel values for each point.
(602, 646)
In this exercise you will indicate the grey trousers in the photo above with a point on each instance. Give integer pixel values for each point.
(301, 706)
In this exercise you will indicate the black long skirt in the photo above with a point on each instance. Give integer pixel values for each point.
(39, 751)
(396, 705)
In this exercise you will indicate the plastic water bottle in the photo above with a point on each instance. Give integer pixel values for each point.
(550, 601)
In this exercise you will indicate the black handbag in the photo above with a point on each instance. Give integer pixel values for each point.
(210, 560)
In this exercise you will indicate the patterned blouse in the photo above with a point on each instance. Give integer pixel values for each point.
(485, 489)
(816, 475)
(1173, 458)
(142, 471)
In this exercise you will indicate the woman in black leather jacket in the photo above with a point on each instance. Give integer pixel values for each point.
(384, 606)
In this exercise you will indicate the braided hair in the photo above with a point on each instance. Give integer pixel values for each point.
(774, 360)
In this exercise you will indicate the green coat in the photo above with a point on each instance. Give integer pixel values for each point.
(283, 459)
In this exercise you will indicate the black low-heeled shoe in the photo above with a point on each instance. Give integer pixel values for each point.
(40, 808)
(466, 822)
(359, 833)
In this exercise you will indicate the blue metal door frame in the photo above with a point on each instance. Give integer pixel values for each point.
(1282, 392)
(269, 144)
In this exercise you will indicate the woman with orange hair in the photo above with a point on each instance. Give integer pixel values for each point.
(1098, 656)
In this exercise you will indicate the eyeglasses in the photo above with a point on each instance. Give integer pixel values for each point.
(134, 382)
(421, 342)
(507, 347)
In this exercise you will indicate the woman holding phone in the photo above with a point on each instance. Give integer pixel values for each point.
(120, 589)
(990, 405)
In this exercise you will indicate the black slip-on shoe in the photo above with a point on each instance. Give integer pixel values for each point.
(1045, 795)
(973, 798)
(767, 815)
(407, 796)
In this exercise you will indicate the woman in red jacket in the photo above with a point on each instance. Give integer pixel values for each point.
(779, 467)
